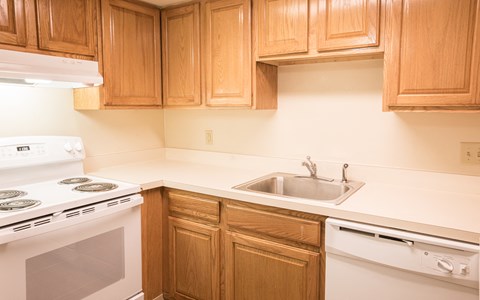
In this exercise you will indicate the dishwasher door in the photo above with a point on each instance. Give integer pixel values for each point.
(366, 262)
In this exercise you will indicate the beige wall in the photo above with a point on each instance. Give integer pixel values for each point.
(332, 111)
(40, 111)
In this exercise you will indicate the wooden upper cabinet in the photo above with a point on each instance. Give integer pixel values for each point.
(181, 55)
(432, 55)
(66, 26)
(303, 31)
(346, 24)
(228, 53)
(131, 48)
(13, 26)
(282, 27)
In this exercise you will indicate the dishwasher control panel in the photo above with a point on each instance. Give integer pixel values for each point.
(453, 264)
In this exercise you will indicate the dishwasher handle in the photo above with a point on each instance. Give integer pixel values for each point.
(375, 235)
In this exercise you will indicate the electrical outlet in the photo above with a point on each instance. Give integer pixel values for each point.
(208, 137)
(470, 152)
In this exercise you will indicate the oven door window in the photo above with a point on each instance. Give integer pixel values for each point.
(77, 270)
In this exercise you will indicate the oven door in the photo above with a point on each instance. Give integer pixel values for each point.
(94, 260)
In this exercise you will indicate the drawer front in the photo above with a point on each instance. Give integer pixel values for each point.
(274, 225)
(194, 205)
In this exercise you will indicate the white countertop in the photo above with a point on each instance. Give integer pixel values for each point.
(431, 203)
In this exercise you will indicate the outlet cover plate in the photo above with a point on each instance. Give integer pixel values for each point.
(470, 152)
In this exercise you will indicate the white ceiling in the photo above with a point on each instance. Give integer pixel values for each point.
(163, 3)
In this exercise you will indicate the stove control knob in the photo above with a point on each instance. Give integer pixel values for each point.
(78, 147)
(68, 147)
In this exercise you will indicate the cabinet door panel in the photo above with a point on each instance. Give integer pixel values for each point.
(228, 53)
(259, 269)
(282, 27)
(347, 24)
(131, 53)
(13, 27)
(432, 53)
(181, 55)
(194, 260)
(66, 26)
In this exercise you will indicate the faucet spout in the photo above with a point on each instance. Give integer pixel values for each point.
(311, 166)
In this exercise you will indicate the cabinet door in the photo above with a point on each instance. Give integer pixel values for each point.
(131, 44)
(346, 24)
(282, 27)
(181, 55)
(66, 26)
(432, 54)
(228, 53)
(194, 260)
(258, 269)
(13, 27)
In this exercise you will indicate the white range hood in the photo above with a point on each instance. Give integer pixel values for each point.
(47, 71)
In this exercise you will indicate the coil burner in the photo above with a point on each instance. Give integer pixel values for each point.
(75, 180)
(20, 204)
(96, 187)
(8, 194)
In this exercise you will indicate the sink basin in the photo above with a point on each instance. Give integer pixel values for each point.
(296, 186)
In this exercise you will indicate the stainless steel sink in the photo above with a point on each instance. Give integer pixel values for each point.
(296, 186)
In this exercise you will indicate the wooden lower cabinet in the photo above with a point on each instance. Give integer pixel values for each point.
(219, 248)
(194, 260)
(264, 270)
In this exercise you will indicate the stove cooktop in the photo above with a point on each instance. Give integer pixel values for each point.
(19, 203)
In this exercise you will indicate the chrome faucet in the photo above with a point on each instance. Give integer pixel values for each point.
(311, 166)
(344, 173)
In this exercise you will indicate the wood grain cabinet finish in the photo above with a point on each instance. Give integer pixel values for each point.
(50, 27)
(152, 243)
(208, 60)
(194, 260)
(131, 48)
(227, 249)
(347, 24)
(181, 55)
(67, 26)
(228, 53)
(306, 31)
(197, 207)
(282, 27)
(13, 26)
(432, 55)
(260, 269)
(274, 225)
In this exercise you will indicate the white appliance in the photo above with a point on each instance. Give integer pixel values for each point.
(366, 262)
(65, 235)
(47, 70)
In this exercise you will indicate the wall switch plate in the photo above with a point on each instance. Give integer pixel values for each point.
(470, 152)
(209, 137)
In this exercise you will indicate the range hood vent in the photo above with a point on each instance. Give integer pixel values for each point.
(47, 71)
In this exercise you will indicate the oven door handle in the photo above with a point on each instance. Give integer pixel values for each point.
(67, 218)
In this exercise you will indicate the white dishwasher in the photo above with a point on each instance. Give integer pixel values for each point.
(365, 262)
